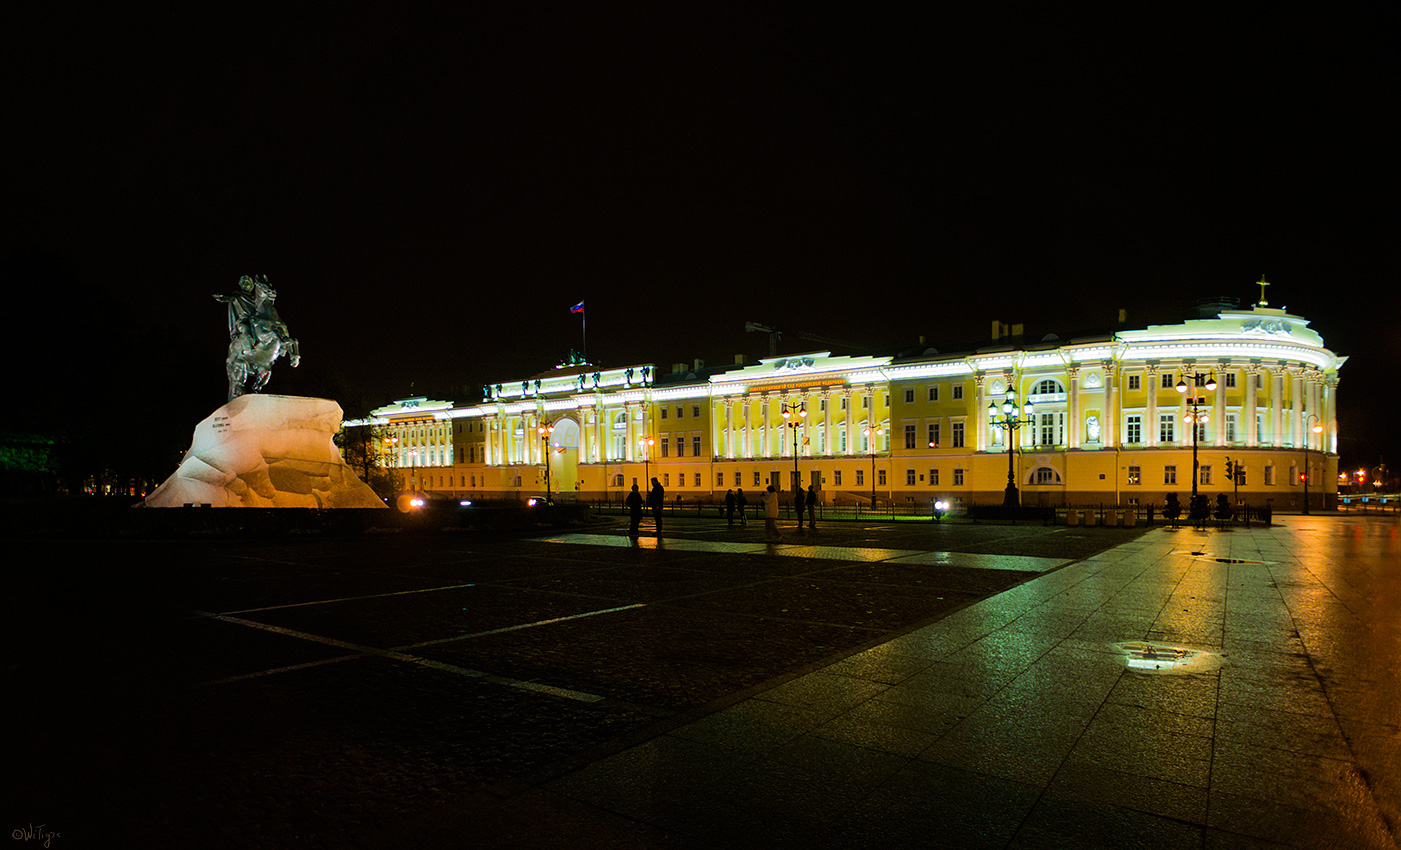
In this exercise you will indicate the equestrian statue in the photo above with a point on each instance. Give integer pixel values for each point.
(257, 336)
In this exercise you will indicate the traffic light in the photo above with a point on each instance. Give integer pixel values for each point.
(1230, 470)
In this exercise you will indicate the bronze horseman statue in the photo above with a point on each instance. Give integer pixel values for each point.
(257, 336)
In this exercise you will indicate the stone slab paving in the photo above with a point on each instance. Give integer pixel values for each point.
(1018, 722)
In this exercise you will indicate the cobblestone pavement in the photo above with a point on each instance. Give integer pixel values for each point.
(310, 691)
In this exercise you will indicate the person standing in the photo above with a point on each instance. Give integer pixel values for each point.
(634, 506)
(656, 500)
(770, 500)
(730, 506)
(742, 504)
(812, 507)
(798, 504)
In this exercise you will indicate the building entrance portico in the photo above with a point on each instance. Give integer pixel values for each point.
(563, 455)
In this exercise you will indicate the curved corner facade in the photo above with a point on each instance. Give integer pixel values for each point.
(1107, 424)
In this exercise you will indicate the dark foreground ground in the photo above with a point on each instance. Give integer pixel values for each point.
(320, 690)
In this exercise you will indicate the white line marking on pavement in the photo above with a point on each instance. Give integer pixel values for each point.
(524, 626)
(351, 598)
(407, 659)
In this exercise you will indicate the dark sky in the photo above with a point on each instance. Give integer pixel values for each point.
(430, 193)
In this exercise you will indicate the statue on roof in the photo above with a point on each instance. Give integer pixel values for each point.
(257, 336)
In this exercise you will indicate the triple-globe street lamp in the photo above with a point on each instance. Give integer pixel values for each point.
(793, 419)
(1195, 417)
(1009, 422)
(545, 431)
(1316, 428)
(871, 435)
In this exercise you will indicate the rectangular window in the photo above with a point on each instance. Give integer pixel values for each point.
(860, 477)
(865, 402)
(843, 403)
(1229, 380)
(666, 450)
(666, 479)
(934, 435)
(934, 393)
(695, 410)
(1201, 432)
(1134, 382)
(909, 478)
(680, 411)
(1205, 472)
(663, 412)
(1169, 475)
(1133, 428)
(1135, 475)
(1270, 476)
(738, 481)
(909, 436)
(1232, 427)
(880, 477)
(1168, 382)
(958, 477)
(934, 477)
(1166, 423)
(957, 391)
(695, 445)
(957, 435)
(680, 446)
(758, 482)
(836, 478)
(1259, 381)
(719, 479)
(885, 400)
(698, 479)
(909, 396)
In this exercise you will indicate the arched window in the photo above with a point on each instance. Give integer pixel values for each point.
(1048, 386)
(1045, 475)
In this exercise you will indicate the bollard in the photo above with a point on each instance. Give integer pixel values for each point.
(1072, 518)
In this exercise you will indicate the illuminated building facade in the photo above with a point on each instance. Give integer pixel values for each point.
(1106, 425)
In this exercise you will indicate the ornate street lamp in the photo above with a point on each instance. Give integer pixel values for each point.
(794, 419)
(1009, 422)
(871, 441)
(545, 431)
(1196, 418)
(645, 444)
(1317, 429)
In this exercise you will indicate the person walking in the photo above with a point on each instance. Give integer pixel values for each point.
(798, 503)
(742, 505)
(656, 500)
(812, 507)
(770, 500)
(634, 506)
(730, 506)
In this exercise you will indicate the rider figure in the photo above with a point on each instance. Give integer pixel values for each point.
(257, 335)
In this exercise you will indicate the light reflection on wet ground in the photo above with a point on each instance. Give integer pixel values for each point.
(1019, 720)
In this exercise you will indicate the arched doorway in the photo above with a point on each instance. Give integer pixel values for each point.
(564, 457)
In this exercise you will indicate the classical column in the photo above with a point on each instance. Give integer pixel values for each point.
(1330, 412)
(1108, 433)
(980, 408)
(1072, 408)
(1296, 416)
(1219, 403)
(850, 399)
(1277, 408)
(1252, 430)
(1150, 415)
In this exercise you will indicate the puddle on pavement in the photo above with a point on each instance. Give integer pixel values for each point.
(1155, 657)
(1219, 559)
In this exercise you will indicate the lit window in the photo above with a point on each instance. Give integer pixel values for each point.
(758, 482)
(934, 435)
(1135, 475)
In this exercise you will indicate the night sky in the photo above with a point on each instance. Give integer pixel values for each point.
(431, 193)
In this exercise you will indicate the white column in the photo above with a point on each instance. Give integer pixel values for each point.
(1277, 408)
(980, 411)
(1107, 430)
(1252, 435)
(1296, 416)
(1150, 415)
(1072, 409)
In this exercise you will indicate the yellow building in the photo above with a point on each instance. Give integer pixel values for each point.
(1107, 424)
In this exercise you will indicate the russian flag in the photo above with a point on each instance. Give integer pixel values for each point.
(577, 308)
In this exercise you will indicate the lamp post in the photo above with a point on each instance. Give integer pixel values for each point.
(545, 431)
(645, 445)
(1317, 428)
(871, 435)
(793, 419)
(1009, 422)
(1196, 417)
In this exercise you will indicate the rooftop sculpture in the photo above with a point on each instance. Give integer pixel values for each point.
(257, 336)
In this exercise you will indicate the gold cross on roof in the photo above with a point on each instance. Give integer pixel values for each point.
(1263, 283)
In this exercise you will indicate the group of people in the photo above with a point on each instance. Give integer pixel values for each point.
(734, 502)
